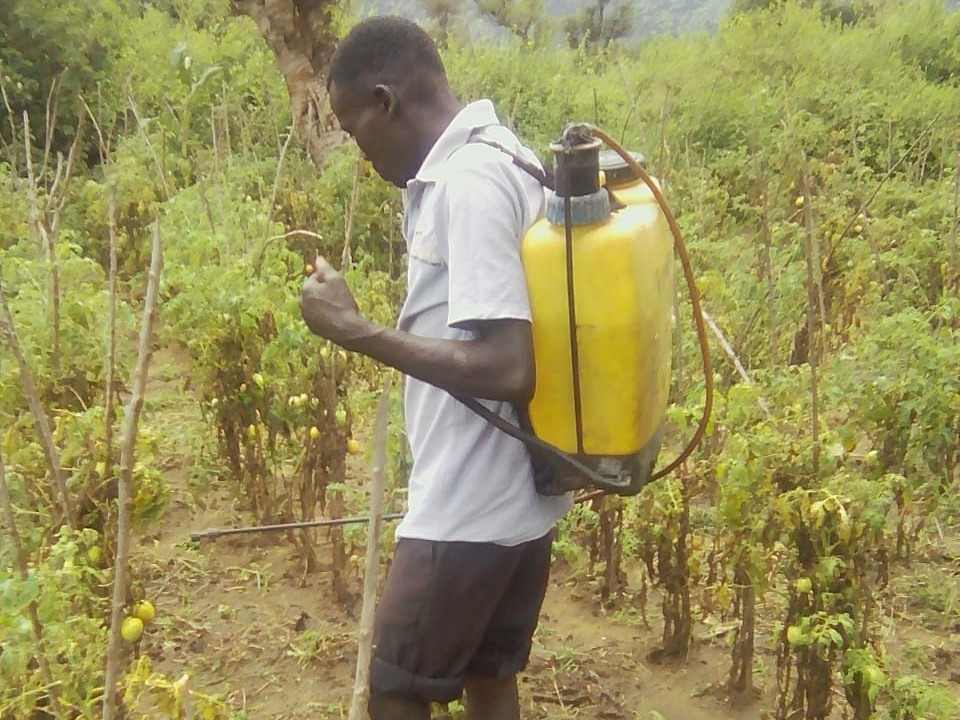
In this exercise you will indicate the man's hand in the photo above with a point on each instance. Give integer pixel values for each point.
(496, 365)
(328, 307)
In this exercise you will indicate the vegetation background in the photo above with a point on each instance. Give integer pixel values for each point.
(803, 564)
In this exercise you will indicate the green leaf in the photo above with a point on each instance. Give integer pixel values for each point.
(24, 593)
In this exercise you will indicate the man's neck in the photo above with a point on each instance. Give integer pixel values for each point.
(437, 120)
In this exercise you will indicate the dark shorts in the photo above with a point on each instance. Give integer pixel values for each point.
(452, 609)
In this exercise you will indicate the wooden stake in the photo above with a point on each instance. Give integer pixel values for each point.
(125, 485)
(814, 327)
(361, 690)
(53, 102)
(346, 257)
(46, 220)
(12, 148)
(771, 283)
(109, 411)
(8, 329)
(956, 224)
(46, 243)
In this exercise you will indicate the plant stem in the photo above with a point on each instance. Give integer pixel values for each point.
(153, 154)
(36, 408)
(20, 562)
(125, 485)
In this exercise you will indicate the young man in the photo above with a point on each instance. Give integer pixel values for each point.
(464, 592)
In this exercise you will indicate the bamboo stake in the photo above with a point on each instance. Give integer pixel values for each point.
(8, 329)
(20, 562)
(125, 485)
(361, 690)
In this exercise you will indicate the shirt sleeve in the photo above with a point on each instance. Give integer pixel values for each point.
(486, 216)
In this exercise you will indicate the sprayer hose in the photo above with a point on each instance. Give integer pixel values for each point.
(694, 301)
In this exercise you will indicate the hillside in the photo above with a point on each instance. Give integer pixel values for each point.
(652, 16)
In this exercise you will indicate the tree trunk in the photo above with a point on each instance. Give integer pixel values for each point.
(302, 35)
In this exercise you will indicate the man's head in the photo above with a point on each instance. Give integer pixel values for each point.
(388, 89)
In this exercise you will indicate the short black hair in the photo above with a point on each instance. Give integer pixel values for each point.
(387, 47)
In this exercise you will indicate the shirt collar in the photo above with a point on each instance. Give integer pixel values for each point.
(476, 115)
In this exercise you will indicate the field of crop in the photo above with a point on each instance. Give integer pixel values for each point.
(157, 211)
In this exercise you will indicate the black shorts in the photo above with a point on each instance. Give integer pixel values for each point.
(452, 609)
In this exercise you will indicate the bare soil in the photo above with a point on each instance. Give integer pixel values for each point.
(243, 620)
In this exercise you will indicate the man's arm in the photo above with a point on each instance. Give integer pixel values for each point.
(497, 365)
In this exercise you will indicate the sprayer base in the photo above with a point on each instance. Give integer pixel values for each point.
(624, 475)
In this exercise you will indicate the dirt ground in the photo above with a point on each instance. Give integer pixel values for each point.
(242, 619)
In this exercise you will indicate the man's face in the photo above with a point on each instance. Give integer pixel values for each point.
(373, 121)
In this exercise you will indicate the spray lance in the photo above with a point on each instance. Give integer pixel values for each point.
(602, 337)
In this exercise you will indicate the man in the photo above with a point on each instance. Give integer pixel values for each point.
(464, 592)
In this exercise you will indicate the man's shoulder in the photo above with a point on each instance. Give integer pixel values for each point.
(490, 150)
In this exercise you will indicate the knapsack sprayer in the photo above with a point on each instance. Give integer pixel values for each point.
(600, 276)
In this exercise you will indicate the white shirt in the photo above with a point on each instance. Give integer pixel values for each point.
(465, 214)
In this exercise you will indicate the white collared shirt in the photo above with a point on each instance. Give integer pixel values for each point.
(465, 214)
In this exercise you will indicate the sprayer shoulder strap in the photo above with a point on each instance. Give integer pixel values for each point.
(532, 442)
(541, 176)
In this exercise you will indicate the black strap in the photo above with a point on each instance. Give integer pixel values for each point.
(541, 176)
(529, 439)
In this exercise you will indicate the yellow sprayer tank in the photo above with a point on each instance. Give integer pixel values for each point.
(602, 381)
(619, 178)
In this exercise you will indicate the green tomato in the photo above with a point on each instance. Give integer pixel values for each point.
(131, 629)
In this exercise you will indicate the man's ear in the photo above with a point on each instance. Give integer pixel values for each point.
(386, 98)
